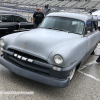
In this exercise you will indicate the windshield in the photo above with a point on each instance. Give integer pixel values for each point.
(63, 24)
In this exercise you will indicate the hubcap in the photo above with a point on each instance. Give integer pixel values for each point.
(72, 73)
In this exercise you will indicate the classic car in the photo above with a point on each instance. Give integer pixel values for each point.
(10, 21)
(51, 53)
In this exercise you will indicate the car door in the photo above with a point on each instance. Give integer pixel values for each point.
(22, 22)
(96, 31)
(90, 37)
(7, 22)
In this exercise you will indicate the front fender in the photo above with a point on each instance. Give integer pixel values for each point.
(70, 52)
(10, 38)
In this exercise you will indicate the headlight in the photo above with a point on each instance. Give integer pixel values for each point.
(1, 49)
(2, 43)
(58, 59)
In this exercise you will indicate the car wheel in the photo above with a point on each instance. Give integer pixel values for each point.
(92, 53)
(72, 73)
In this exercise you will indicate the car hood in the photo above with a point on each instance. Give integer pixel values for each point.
(41, 42)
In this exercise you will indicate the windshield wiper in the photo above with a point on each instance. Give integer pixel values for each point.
(46, 27)
(55, 29)
(61, 30)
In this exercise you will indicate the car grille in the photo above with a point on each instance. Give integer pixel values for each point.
(27, 55)
(25, 64)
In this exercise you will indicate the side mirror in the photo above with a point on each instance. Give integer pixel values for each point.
(0, 21)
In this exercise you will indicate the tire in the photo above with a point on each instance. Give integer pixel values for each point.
(92, 53)
(71, 75)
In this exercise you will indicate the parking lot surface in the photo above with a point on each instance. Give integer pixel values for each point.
(84, 86)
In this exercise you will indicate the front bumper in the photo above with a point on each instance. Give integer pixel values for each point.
(35, 76)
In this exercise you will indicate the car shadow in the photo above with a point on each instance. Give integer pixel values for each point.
(24, 84)
(76, 87)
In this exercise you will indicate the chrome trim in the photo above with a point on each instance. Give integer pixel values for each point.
(19, 56)
(30, 60)
(24, 58)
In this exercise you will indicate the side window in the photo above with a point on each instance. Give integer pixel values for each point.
(77, 26)
(95, 25)
(7, 18)
(19, 19)
(89, 26)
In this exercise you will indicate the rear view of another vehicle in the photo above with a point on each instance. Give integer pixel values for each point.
(22, 23)
(6, 23)
(10, 21)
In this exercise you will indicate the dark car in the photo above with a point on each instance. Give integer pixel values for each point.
(10, 21)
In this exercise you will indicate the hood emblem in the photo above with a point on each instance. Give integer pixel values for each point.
(24, 45)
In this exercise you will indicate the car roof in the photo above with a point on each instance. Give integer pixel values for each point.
(10, 12)
(83, 17)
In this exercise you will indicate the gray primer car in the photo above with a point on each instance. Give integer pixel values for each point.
(51, 53)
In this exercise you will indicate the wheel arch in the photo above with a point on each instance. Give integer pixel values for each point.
(77, 67)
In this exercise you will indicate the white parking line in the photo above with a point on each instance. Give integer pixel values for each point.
(89, 76)
(16, 92)
(84, 66)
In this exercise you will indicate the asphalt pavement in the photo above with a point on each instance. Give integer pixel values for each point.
(84, 86)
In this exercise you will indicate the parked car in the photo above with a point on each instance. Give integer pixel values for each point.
(51, 53)
(10, 21)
